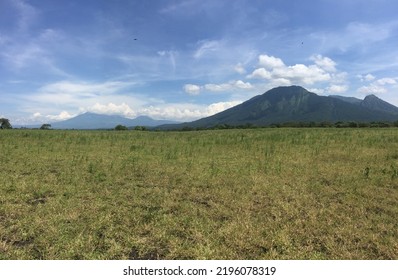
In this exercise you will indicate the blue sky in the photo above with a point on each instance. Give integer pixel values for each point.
(183, 60)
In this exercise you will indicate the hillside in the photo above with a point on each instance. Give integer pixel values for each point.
(296, 104)
(348, 99)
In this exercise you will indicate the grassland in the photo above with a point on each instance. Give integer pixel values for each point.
(230, 194)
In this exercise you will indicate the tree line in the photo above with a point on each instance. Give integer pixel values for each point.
(324, 124)
(5, 124)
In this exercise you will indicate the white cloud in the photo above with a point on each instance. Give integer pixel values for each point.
(112, 109)
(386, 81)
(270, 62)
(217, 87)
(302, 74)
(186, 111)
(230, 86)
(37, 115)
(260, 73)
(324, 63)
(192, 89)
(379, 86)
(64, 115)
(220, 106)
(366, 78)
(339, 77)
(277, 72)
(173, 111)
(242, 85)
(280, 82)
(369, 77)
(372, 89)
(107, 97)
(69, 93)
(333, 89)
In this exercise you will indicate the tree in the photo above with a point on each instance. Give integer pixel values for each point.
(5, 124)
(45, 126)
(140, 127)
(120, 127)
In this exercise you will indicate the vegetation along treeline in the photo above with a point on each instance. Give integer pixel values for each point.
(298, 124)
(219, 194)
(251, 126)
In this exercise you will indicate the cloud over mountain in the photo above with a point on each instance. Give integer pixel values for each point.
(273, 68)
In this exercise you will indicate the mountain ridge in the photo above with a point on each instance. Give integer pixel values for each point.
(373, 102)
(296, 104)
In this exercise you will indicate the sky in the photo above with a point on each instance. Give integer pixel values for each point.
(184, 60)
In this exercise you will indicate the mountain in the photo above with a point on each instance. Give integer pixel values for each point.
(296, 104)
(374, 103)
(371, 102)
(98, 121)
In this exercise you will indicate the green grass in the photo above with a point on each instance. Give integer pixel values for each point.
(230, 194)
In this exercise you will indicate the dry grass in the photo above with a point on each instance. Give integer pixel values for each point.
(235, 194)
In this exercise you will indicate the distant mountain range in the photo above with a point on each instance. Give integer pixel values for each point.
(296, 104)
(98, 121)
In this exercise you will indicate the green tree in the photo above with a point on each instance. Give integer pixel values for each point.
(45, 126)
(5, 124)
(121, 127)
(140, 127)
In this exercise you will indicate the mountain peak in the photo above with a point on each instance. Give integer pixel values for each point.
(288, 90)
(371, 96)
(296, 104)
(375, 103)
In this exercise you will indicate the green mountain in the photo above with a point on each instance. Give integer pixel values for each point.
(371, 102)
(296, 104)
(374, 103)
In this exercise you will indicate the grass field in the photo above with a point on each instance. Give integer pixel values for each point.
(226, 194)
